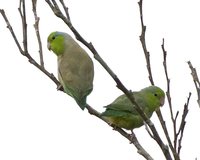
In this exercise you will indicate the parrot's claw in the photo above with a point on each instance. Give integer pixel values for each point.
(132, 137)
(113, 126)
(59, 87)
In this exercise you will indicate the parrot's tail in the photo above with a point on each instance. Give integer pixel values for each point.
(82, 102)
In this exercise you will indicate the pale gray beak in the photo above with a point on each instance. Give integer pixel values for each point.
(162, 101)
(49, 46)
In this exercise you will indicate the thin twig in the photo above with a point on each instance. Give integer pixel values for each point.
(22, 11)
(59, 14)
(173, 119)
(37, 31)
(143, 42)
(182, 124)
(178, 135)
(66, 9)
(167, 79)
(173, 148)
(196, 81)
(147, 57)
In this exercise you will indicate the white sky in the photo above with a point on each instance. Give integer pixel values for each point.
(39, 122)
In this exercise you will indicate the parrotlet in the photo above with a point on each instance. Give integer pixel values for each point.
(75, 67)
(121, 111)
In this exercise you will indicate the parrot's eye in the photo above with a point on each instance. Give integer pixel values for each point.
(53, 37)
(155, 94)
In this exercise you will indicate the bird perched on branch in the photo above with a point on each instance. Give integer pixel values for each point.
(75, 67)
(122, 113)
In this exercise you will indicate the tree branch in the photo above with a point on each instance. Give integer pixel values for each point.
(66, 9)
(175, 154)
(178, 135)
(37, 31)
(143, 42)
(195, 80)
(22, 11)
(182, 124)
(147, 57)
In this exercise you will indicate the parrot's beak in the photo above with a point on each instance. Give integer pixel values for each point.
(49, 46)
(162, 101)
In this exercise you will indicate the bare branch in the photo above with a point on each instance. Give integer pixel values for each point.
(143, 42)
(196, 80)
(147, 57)
(182, 124)
(22, 11)
(178, 135)
(168, 85)
(168, 82)
(66, 9)
(37, 32)
(174, 120)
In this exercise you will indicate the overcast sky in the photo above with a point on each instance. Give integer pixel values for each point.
(39, 122)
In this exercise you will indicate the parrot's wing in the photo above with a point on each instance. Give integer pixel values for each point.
(67, 89)
(117, 113)
(123, 104)
(78, 96)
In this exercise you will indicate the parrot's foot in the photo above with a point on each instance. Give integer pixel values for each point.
(59, 87)
(114, 127)
(132, 137)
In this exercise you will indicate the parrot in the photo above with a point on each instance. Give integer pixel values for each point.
(75, 67)
(122, 113)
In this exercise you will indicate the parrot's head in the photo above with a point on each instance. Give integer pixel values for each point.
(55, 42)
(155, 96)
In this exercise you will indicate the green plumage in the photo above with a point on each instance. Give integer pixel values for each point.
(75, 67)
(122, 113)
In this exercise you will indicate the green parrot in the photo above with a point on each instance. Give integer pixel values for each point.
(122, 113)
(75, 67)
